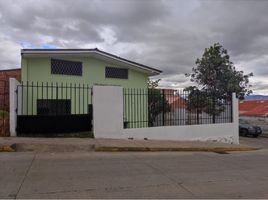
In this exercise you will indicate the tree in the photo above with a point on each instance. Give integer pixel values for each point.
(157, 103)
(216, 75)
(153, 84)
(196, 101)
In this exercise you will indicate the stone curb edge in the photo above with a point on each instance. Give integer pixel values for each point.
(185, 149)
(9, 148)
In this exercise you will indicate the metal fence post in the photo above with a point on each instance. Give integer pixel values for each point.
(163, 107)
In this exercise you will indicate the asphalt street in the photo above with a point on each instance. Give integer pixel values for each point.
(136, 175)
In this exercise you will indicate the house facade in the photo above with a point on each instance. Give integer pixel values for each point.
(83, 66)
(74, 91)
(58, 82)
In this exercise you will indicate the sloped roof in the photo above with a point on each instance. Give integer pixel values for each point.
(97, 52)
(178, 103)
(253, 108)
(173, 99)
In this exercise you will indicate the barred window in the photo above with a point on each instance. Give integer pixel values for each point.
(53, 106)
(65, 67)
(113, 72)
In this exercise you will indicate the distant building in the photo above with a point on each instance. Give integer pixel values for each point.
(4, 97)
(4, 85)
(253, 108)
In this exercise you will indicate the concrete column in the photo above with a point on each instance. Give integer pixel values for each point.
(108, 111)
(13, 83)
(235, 117)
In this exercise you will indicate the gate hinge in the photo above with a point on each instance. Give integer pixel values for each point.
(16, 110)
(16, 91)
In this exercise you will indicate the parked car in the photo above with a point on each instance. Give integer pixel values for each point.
(246, 128)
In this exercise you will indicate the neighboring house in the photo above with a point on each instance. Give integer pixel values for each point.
(255, 111)
(177, 105)
(180, 115)
(253, 108)
(59, 82)
(5, 74)
(84, 66)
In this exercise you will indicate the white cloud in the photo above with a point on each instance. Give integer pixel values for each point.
(169, 35)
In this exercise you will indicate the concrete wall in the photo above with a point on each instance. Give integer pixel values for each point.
(107, 111)
(108, 122)
(13, 83)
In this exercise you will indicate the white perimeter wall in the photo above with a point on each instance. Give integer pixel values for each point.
(13, 83)
(108, 122)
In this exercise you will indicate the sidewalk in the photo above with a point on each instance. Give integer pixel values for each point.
(113, 145)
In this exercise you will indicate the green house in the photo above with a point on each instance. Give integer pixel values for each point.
(91, 67)
(59, 81)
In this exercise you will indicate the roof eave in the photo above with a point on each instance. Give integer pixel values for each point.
(150, 71)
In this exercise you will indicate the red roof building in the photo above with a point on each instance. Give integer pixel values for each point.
(257, 108)
(174, 99)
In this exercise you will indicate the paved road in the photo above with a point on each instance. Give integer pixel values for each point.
(135, 175)
(261, 142)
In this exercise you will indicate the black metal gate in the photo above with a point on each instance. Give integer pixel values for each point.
(4, 108)
(48, 108)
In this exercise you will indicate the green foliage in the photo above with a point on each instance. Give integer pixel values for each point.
(199, 101)
(216, 74)
(196, 100)
(152, 83)
(157, 104)
(217, 78)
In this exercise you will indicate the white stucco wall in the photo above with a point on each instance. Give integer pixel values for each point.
(108, 122)
(13, 83)
(107, 111)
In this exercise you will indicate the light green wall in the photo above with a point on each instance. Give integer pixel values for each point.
(38, 70)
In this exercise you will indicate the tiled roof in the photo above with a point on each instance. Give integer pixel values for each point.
(173, 99)
(178, 103)
(253, 108)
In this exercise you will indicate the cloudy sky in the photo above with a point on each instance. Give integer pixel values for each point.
(169, 35)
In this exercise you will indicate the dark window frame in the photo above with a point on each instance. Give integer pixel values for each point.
(116, 75)
(66, 67)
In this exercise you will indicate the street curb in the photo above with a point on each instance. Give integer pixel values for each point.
(20, 147)
(264, 135)
(6, 148)
(178, 149)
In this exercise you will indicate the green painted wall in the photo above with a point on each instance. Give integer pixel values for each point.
(37, 70)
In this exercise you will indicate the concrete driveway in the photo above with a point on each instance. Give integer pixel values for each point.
(135, 175)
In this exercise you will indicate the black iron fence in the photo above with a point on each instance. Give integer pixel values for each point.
(167, 107)
(53, 107)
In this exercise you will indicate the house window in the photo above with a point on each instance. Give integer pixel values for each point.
(53, 106)
(112, 72)
(65, 67)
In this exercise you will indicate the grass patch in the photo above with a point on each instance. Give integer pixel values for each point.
(6, 148)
